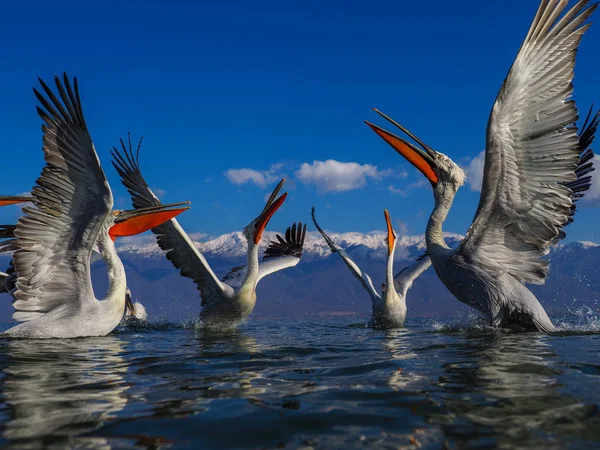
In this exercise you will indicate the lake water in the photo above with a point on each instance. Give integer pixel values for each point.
(322, 383)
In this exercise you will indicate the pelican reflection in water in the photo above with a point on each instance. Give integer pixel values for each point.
(507, 386)
(59, 391)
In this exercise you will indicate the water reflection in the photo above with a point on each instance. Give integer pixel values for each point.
(236, 361)
(503, 389)
(398, 343)
(57, 390)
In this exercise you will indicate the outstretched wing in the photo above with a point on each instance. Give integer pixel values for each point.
(584, 180)
(283, 253)
(71, 201)
(532, 151)
(403, 280)
(360, 275)
(170, 237)
(279, 254)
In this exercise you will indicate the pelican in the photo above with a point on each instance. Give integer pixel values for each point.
(389, 307)
(535, 169)
(71, 212)
(229, 301)
(7, 232)
(134, 311)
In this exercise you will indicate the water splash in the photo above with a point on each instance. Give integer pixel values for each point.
(583, 319)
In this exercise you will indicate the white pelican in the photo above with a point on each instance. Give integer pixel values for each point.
(135, 310)
(72, 211)
(389, 307)
(535, 168)
(229, 301)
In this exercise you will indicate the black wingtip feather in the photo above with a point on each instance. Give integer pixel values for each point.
(292, 245)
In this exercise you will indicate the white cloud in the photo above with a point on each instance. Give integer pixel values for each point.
(475, 172)
(199, 236)
(336, 176)
(160, 193)
(398, 172)
(402, 227)
(407, 190)
(593, 194)
(261, 178)
(395, 190)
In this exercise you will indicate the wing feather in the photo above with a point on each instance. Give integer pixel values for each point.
(283, 253)
(280, 254)
(534, 163)
(170, 236)
(404, 279)
(71, 200)
(358, 273)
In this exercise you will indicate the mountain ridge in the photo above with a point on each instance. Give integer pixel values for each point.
(321, 283)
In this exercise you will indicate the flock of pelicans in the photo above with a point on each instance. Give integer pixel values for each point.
(537, 165)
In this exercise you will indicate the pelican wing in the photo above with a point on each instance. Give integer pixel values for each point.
(283, 252)
(279, 254)
(170, 236)
(584, 180)
(360, 275)
(71, 201)
(403, 280)
(532, 151)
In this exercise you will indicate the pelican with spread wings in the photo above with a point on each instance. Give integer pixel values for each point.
(536, 167)
(8, 279)
(71, 212)
(229, 301)
(389, 306)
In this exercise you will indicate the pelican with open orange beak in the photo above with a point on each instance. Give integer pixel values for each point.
(69, 216)
(389, 306)
(537, 165)
(229, 301)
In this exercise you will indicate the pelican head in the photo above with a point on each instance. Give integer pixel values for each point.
(136, 221)
(253, 232)
(438, 168)
(136, 309)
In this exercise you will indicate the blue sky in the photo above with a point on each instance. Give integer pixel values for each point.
(268, 86)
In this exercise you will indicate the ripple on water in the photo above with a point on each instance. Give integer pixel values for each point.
(321, 385)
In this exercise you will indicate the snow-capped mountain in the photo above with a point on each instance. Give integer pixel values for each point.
(321, 284)
(370, 246)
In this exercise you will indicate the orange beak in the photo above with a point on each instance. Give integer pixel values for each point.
(391, 239)
(423, 161)
(129, 223)
(12, 200)
(266, 216)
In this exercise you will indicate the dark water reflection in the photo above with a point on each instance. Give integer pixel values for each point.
(302, 384)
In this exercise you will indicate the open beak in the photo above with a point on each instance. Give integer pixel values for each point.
(13, 200)
(391, 238)
(136, 221)
(129, 303)
(423, 160)
(270, 208)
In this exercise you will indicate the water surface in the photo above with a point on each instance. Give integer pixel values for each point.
(321, 383)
